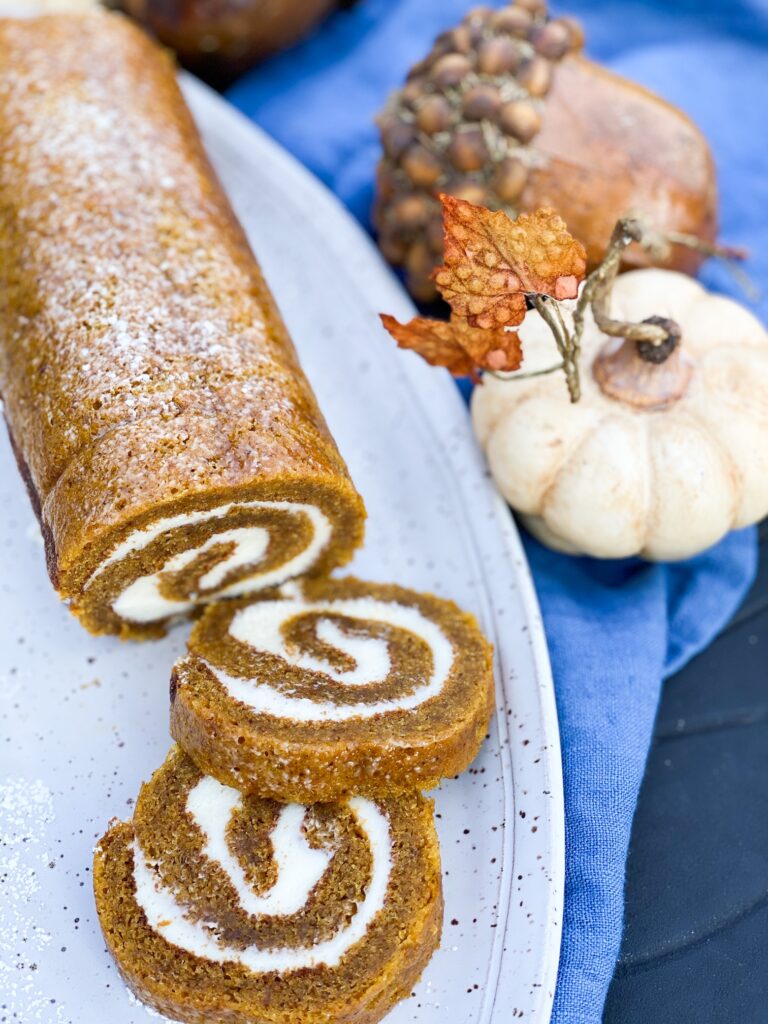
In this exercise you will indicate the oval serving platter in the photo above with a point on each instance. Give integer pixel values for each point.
(85, 720)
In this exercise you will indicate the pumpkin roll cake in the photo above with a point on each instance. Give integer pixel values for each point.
(220, 907)
(172, 447)
(333, 686)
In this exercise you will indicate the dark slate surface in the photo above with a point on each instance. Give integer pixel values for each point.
(695, 947)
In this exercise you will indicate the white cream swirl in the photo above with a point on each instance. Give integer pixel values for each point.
(299, 865)
(260, 625)
(142, 600)
(299, 868)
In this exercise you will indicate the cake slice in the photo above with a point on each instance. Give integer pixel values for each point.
(333, 686)
(225, 909)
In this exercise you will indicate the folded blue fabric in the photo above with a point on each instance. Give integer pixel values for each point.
(615, 630)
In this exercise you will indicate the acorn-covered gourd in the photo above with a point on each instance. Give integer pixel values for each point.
(506, 113)
(666, 450)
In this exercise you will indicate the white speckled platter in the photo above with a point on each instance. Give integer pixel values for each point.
(84, 720)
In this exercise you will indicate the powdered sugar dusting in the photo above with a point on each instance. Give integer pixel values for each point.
(147, 1009)
(26, 809)
(136, 302)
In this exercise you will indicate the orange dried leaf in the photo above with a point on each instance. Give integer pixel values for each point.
(498, 350)
(457, 346)
(491, 262)
(434, 340)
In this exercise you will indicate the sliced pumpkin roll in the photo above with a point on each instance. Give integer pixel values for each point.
(172, 447)
(333, 686)
(220, 907)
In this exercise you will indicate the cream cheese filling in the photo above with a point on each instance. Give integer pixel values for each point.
(299, 865)
(142, 601)
(260, 626)
(211, 805)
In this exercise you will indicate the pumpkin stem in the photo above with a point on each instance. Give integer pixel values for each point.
(658, 353)
(655, 333)
(642, 363)
(623, 373)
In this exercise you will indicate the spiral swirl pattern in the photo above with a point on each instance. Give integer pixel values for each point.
(299, 869)
(333, 687)
(167, 568)
(350, 654)
(209, 897)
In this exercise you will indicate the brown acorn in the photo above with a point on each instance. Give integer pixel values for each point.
(506, 111)
(468, 150)
(520, 119)
(481, 103)
(434, 114)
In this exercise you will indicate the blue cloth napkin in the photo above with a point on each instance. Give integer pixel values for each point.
(615, 630)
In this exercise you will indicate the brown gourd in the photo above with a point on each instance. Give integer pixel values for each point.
(507, 113)
(627, 150)
(219, 39)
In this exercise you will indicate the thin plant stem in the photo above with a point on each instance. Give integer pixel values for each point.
(724, 252)
(515, 375)
(549, 311)
(732, 254)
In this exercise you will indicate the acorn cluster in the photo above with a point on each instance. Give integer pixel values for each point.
(465, 123)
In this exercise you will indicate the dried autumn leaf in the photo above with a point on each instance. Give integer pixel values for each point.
(457, 346)
(498, 350)
(491, 262)
(433, 339)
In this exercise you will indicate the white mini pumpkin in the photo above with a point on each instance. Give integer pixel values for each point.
(608, 478)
